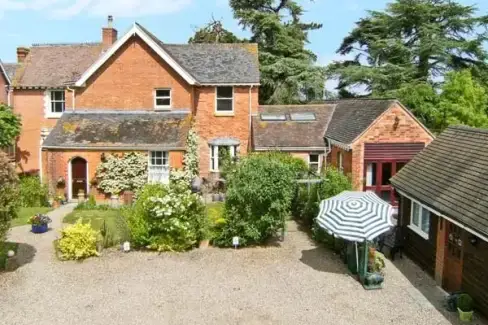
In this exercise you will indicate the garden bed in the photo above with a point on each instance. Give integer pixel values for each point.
(4, 248)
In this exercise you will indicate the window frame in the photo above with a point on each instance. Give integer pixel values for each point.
(214, 156)
(418, 228)
(318, 162)
(156, 97)
(340, 161)
(50, 113)
(164, 165)
(217, 112)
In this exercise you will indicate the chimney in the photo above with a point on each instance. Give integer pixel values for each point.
(109, 34)
(22, 54)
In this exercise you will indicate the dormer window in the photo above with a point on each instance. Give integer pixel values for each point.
(162, 98)
(224, 100)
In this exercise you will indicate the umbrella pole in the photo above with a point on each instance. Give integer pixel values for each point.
(357, 258)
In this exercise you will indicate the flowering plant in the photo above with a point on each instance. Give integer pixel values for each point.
(39, 220)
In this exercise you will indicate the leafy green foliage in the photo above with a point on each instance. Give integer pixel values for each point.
(122, 173)
(166, 218)
(91, 204)
(10, 125)
(213, 32)
(191, 158)
(465, 302)
(259, 194)
(289, 73)
(215, 220)
(78, 241)
(32, 192)
(9, 202)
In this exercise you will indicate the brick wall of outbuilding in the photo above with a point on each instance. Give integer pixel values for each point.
(385, 131)
(346, 159)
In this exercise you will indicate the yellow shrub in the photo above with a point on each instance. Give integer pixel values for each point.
(78, 241)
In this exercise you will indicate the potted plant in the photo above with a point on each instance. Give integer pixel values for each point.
(61, 182)
(54, 202)
(39, 223)
(465, 307)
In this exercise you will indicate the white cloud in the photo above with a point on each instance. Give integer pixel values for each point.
(62, 9)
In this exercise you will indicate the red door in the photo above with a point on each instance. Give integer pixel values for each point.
(453, 263)
(377, 176)
(78, 176)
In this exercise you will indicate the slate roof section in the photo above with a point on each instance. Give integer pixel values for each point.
(120, 130)
(56, 65)
(451, 176)
(353, 116)
(9, 69)
(291, 134)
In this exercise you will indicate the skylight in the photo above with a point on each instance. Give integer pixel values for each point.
(305, 116)
(273, 117)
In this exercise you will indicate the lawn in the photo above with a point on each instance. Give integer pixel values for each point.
(109, 222)
(26, 213)
(4, 248)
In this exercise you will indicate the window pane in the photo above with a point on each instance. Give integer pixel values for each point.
(163, 93)
(163, 102)
(415, 214)
(314, 158)
(57, 95)
(385, 173)
(371, 174)
(57, 107)
(314, 167)
(386, 196)
(425, 226)
(224, 105)
(224, 92)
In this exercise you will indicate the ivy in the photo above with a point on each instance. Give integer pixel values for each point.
(122, 173)
(191, 155)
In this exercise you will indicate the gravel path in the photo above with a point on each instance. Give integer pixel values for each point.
(296, 283)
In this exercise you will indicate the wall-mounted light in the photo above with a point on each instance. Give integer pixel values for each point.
(473, 240)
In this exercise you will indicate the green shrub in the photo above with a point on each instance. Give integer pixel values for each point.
(259, 194)
(167, 218)
(78, 241)
(91, 204)
(335, 183)
(297, 165)
(32, 192)
(9, 192)
(465, 302)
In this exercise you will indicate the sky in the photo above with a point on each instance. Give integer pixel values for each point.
(24, 22)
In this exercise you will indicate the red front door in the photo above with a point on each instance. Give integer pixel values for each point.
(453, 263)
(78, 176)
(377, 176)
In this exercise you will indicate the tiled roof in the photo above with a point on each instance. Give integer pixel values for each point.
(10, 69)
(451, 176)
(288, 133)
(354, 116)
(118, 129)
(55, 65)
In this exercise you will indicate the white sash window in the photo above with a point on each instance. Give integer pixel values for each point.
(158, 169)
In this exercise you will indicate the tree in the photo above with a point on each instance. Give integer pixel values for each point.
(462, 101)
(289, 73)
(213, 32)
(10, 126)
(412, 41)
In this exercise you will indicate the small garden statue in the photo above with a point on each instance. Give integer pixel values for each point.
(39, 223)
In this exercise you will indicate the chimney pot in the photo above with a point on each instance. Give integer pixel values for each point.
(22, 53)
(110, 21)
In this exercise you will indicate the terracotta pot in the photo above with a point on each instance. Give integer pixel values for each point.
(204, 244)
(55, 204)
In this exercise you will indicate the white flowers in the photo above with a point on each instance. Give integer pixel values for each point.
(191, 155)
(172, 204)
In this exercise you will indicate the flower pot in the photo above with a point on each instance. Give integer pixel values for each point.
(204, 244)
(39, 229)
(55, 204)
(465, 316)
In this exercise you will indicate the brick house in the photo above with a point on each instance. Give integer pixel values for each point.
(7, 71)
(79, 102)
(370, 139)
(444, 211)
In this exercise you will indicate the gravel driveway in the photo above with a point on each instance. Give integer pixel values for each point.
(296, 283)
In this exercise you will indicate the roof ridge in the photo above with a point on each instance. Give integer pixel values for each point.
(65, 44)
(358, 99)
(467, 128)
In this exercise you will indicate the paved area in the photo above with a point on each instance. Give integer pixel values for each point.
(295, 283)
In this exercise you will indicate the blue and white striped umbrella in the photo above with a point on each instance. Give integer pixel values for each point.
(355, 216)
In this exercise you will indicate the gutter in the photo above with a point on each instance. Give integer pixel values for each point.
(339, 144)
(116, 148)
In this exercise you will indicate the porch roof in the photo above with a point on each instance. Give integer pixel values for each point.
(451, 176)
(119, 130)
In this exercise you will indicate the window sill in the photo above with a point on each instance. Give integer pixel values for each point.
(224, 114)
(162, 108)
(53, 115)
(418, 232)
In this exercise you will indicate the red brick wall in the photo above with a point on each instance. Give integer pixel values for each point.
(346, 159)
(55, 165)
(383, 131)
(127, 81)
(209, 125)
(3, 90)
